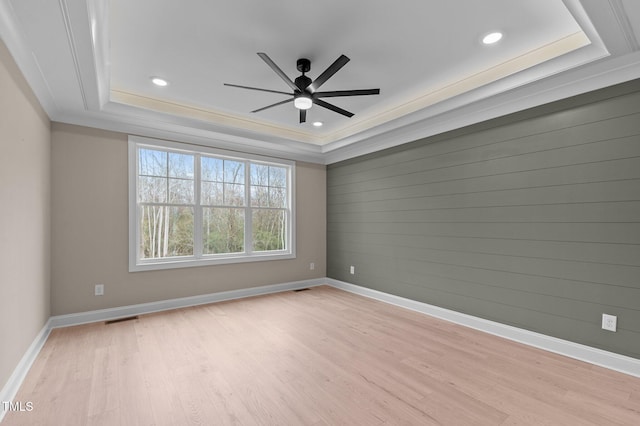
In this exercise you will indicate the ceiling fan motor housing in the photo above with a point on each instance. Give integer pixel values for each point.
(303, 65)
(303, 82)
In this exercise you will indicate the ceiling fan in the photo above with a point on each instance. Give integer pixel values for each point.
(305, 91)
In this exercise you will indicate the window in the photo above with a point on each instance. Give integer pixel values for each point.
(192, 207)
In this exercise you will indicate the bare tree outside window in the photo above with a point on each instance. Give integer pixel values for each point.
(223, 190)
(166, 203)
(269, 198)
(195, 205)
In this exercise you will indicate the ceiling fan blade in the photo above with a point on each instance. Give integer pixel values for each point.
(273, 105)
(257, 88)
(326, 75)
(336, 93)
(333, 108)
(303, 115)
(278, 71)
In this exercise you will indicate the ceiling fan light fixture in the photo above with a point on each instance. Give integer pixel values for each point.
(303, 102)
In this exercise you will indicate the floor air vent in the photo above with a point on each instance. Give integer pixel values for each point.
(301, 289)
(113, 321)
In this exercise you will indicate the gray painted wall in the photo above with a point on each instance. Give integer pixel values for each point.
(531, 220)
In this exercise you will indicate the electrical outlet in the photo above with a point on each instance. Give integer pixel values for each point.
(609, 322)
(352, 270)
(312, 266)
(99, 290)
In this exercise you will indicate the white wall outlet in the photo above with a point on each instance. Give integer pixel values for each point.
(312, 266)
(99, 290)
(352, 270)
(609, 322)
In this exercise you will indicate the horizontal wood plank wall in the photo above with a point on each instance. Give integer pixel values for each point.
(532, 220)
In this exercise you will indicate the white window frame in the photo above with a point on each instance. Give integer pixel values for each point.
(198, 259)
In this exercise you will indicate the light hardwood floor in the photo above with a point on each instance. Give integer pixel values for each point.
(315, 357)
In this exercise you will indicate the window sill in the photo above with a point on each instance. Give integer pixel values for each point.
(175, 263)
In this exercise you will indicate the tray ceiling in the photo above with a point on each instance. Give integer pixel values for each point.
(91, 63)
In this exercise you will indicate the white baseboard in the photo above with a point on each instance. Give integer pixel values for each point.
(10, 389)
(610, 360)
(183, 302)
(588, 354)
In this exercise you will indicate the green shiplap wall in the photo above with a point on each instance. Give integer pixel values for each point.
(531, 220)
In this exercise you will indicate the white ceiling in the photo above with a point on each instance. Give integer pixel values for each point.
(90, 62)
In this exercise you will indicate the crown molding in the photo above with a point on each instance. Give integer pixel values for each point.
(190, 133)
(560, 86)
(217, 118)
(14, 38)
(87, 98)
(625, 25)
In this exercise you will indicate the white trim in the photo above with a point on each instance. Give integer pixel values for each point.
(86, 25)
(610, 360)
(183, 302)
(13, 36)
(626, 27)
(588, 354)
(456, 113)
(10, 388)
(134, 235)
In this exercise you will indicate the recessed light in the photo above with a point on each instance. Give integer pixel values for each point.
(159, 81)
(317, 124)
(492, 38)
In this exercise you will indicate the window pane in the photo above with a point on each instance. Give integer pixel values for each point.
(165, 231)
(233, 194)
(259, 196)
(277, 197)
(211, 169)
(233, 172)
(222, 230)
(152, 162)
(259, 175)
(181, 191)
(231, 188)
(181, 165)
(277, 176)
(268, 230)
(211, 194)
(152, 189)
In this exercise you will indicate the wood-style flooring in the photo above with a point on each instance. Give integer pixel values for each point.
(316, 357)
